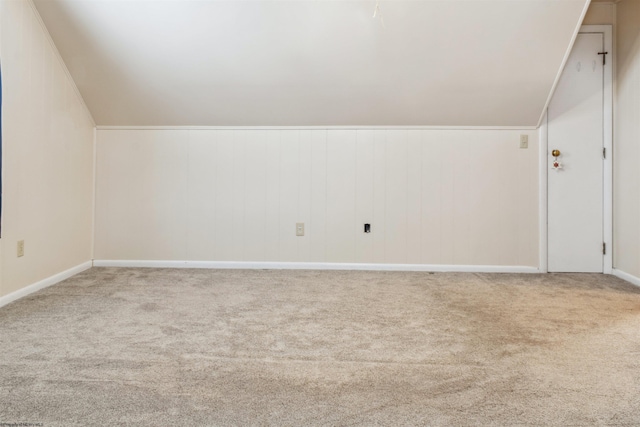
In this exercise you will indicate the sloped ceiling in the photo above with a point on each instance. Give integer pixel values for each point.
(313, 63)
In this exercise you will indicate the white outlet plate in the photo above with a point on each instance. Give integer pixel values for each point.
(20, 248)
(299, 228)
(524, 141)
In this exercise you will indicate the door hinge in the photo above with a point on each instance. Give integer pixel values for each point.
(604, 57)
(604, 249)
(604, 153)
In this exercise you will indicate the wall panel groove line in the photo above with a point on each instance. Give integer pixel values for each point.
(356, 218)
(326, 191)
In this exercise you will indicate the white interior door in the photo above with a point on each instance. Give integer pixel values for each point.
(575, 192)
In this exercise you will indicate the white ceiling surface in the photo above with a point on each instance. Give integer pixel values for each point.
(313, 63)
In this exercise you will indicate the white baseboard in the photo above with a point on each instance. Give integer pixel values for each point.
(626, 276)
(52, 280)
(316, 266)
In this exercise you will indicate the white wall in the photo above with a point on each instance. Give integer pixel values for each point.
(465, 197)
(627, 141)
(600, 14)
(47, 157)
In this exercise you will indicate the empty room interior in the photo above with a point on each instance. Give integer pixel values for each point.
(319, 212)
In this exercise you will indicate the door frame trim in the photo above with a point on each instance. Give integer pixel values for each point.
(543, 196)
(607, 196)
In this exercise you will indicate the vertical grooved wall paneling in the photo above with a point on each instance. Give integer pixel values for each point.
(466, 197)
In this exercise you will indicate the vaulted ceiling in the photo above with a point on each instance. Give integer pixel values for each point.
(313, 63)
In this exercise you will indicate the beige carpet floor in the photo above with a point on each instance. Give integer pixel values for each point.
(153, 347)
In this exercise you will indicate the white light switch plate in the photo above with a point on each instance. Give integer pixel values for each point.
(299, 228)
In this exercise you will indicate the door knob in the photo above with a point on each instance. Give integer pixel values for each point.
(556, 163)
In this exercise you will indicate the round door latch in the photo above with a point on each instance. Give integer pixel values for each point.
(555, 153)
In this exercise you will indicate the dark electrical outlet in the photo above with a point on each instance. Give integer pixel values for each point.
(367, 228)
